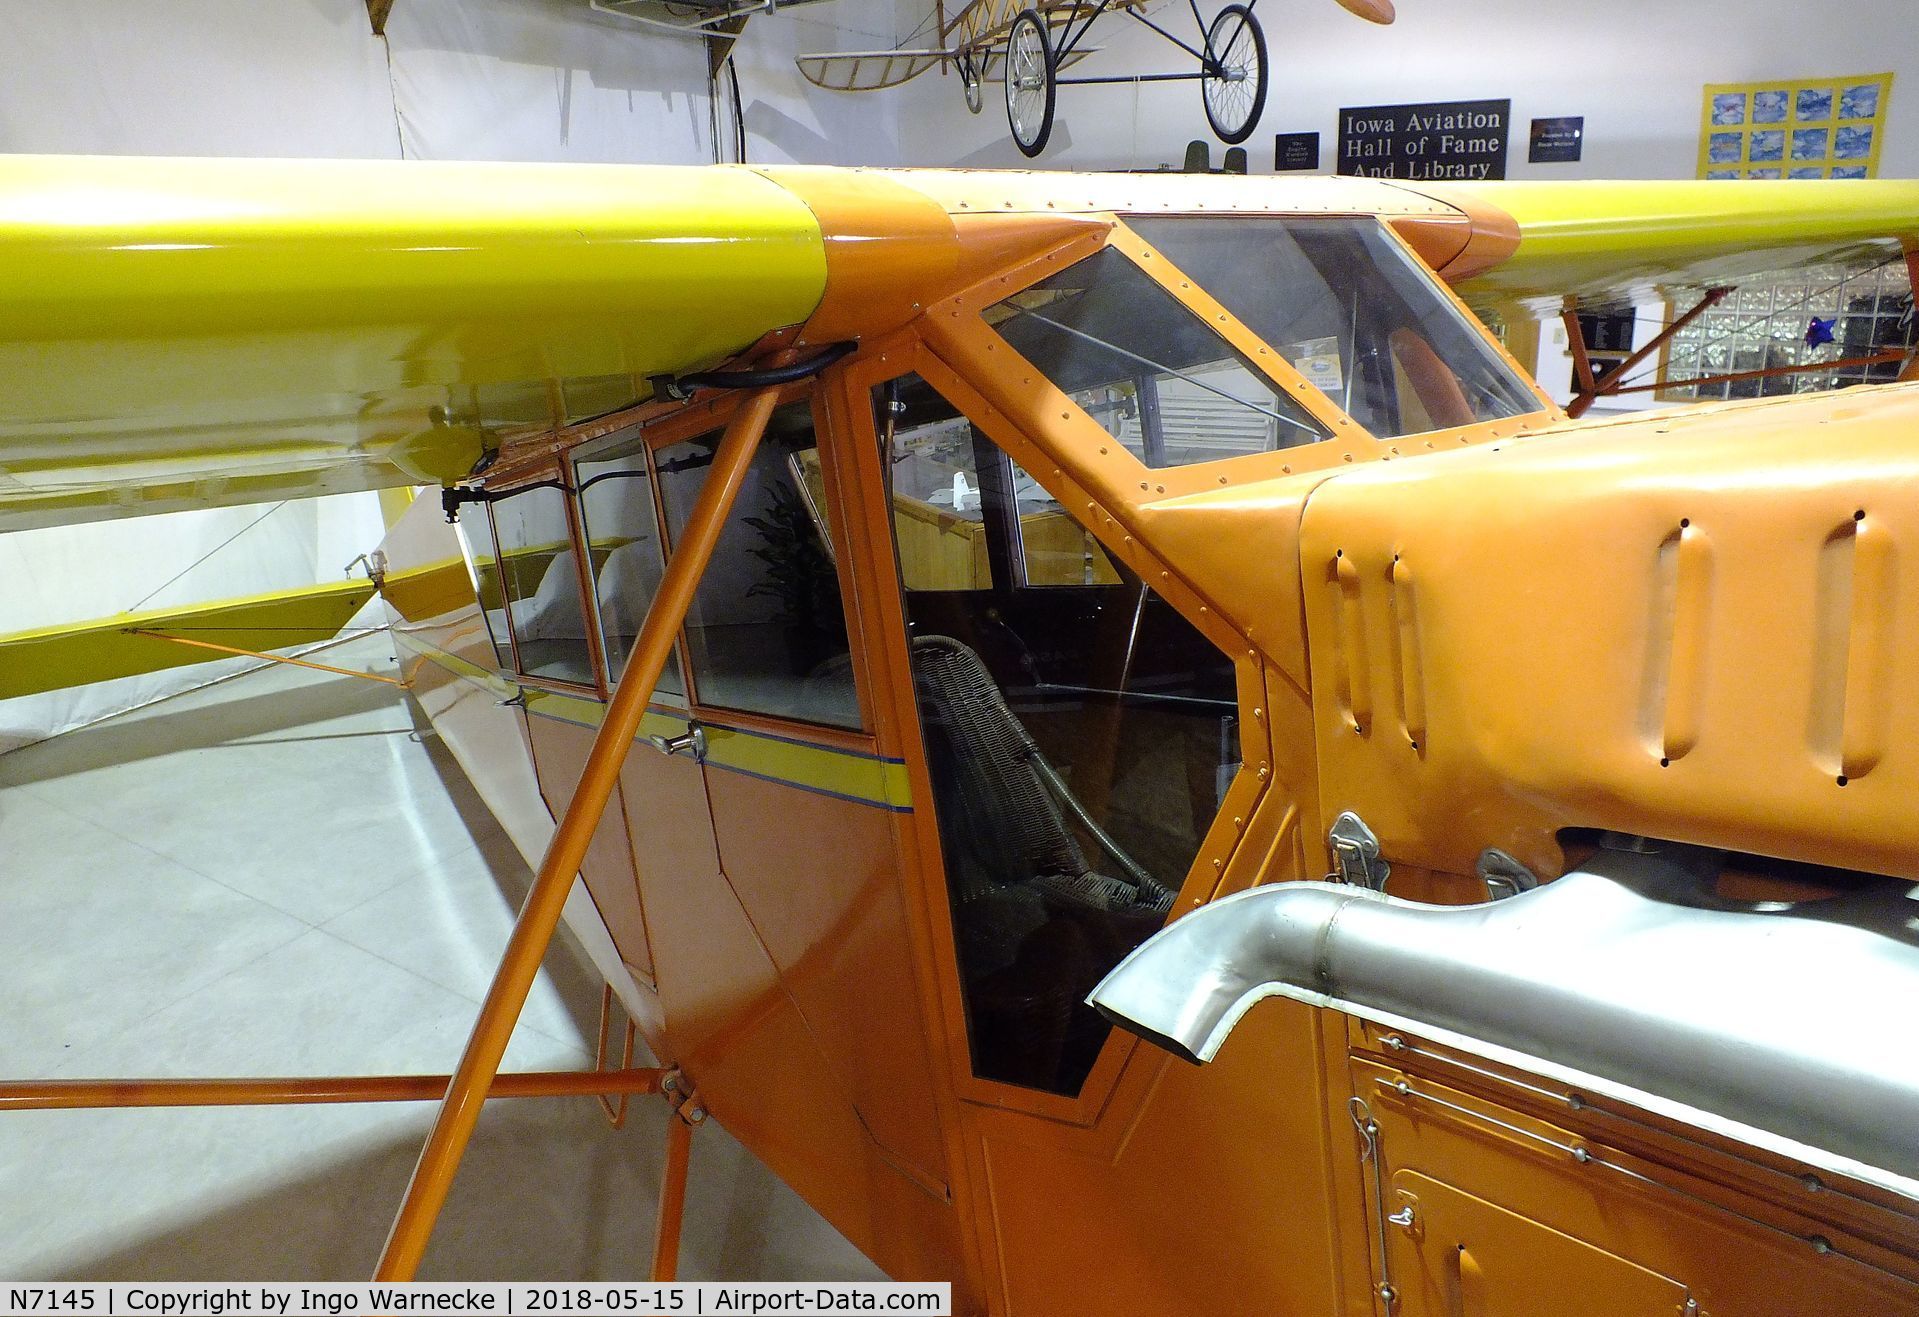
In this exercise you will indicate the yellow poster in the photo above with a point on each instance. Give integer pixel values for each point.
(1806, 128)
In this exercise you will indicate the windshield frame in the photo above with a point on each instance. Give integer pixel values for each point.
(1466, 319)
(1350, 442)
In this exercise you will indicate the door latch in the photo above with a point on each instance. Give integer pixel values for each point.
(1370, 1151)
(1356, 857)
(1503, 875)
(691, 742)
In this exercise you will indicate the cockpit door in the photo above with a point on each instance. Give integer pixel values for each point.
(1078, 733)
(1075, 748)
(807, 925)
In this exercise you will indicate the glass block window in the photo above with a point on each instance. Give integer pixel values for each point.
(1770, 323)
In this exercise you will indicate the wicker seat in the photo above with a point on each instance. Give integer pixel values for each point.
(1037, 924)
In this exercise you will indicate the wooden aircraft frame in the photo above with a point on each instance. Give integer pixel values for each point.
(1025, 46)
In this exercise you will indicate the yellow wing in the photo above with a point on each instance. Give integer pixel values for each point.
(1610, 241)
(192, 333)
(179, 333)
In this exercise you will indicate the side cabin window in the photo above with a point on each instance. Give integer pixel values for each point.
(766, 632)
(1146, 368)
(475, 526)
(1350, 308)
(620, 522)
(540, 578)
(1080, 735)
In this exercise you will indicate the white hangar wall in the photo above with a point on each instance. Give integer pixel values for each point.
(790, 121)
(193, 77)
(542, 80)
(552, 80)
(1633, 68)
(453, 80)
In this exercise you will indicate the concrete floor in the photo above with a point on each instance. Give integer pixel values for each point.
(285, 874)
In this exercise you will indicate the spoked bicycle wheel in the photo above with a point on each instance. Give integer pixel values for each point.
(1030, 85)
(1232, 81)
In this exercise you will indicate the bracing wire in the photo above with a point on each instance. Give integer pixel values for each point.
(208, 554)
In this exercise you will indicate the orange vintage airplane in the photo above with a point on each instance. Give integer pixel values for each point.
(992, 641)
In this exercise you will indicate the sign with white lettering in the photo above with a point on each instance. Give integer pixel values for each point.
(1556, 141)
(1296, 151)
(1442, 140)
(1608, 333)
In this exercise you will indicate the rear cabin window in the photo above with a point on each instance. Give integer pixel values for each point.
(1146, 368)
(620, 521)
(1354, 313)
(540, 576)
(1080, 735)
(766, 632)
(939, 517)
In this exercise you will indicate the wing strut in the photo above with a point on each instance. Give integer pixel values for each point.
(1592, 390)
(270, 658)
(533, 931)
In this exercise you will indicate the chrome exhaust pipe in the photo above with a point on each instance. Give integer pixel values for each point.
(1185, 987)
(1769, 1020)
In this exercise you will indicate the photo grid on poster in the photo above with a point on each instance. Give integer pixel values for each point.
(1808, 128)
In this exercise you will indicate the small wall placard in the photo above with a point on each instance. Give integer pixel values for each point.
(1294, 151)
(1556, 141)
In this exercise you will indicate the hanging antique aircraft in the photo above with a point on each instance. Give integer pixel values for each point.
(931, 599)
(1024, 46)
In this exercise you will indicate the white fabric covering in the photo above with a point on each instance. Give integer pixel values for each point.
(544, 80)
(194, 77)
(553, 613)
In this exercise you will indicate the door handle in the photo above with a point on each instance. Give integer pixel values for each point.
(691, 742)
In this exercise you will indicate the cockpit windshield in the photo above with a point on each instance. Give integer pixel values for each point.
(1352, 311)
(1155, 375)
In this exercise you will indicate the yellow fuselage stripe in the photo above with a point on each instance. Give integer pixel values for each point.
(824, 770)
